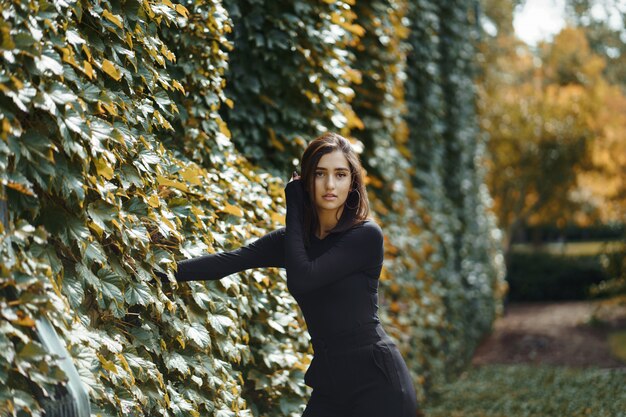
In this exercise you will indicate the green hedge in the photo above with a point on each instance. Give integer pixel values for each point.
(542, 276)
(127, 134)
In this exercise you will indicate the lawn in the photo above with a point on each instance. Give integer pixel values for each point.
(532, 391)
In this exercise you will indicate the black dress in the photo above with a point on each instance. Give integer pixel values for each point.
(356, 370)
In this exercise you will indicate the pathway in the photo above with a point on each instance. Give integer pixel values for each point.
(555, 333)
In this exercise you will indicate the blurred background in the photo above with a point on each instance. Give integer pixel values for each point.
(552, 103)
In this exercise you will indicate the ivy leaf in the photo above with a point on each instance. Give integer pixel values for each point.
(175, 361)
(61, 94)
(113, 18)
(101, 212)
(86, 275)
(73, 289)
(45, 63)
(199, 334)
(111, 70)
(220, 323)
(138, 293)
(110, 284)
(32, 351)
(74, 38)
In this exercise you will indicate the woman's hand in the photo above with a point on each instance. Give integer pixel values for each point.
(294, 193)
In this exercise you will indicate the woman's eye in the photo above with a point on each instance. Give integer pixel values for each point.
(319, 174)
(341, 175)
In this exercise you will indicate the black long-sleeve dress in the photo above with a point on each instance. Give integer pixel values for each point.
(335, 282)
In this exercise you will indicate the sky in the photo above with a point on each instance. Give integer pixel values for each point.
(542, 19)
(539, 19)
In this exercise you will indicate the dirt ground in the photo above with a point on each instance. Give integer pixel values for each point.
(562, 334)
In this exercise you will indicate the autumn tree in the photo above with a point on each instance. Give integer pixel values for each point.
(540, 110)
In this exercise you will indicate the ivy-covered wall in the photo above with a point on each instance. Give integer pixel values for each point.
(135, 134)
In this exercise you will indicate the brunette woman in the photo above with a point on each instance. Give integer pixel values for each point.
(333, 254)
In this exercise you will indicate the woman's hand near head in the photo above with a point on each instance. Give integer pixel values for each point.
(294, 176)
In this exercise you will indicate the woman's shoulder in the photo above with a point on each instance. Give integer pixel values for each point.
(369, 227)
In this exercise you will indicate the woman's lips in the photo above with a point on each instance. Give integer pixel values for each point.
(329, 197)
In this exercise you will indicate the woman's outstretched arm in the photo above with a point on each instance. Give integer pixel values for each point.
(267, 251)
(359, 248)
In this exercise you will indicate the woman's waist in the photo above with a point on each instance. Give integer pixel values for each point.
(364, 334)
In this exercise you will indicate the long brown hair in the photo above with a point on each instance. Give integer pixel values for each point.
(356, 208)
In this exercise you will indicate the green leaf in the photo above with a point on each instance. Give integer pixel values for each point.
(175, 361)
(87, 276)
(32, 351)
(49, 61)
(73, 289)
(110, 285)
(199, 334)
(101, 212)
(138, 293)
(220, 323)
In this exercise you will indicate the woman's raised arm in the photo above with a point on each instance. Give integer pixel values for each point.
(267, 251)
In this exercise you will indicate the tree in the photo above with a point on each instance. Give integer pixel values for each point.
(541, 112)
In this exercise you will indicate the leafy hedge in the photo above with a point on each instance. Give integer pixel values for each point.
(117, 158)
(543, 276)
(448, 151)
(105, 185)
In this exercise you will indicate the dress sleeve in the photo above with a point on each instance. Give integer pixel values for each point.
(267, 251)
(358, 248)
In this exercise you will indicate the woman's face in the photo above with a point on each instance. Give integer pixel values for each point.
(332, 179)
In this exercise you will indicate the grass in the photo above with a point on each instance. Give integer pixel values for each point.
(531, 391)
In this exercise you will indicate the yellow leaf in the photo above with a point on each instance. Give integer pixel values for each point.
(24, 321)
(278, 218)
(168, 3)
(104, 169)
(68, 56)
(223, 128)
(97, 229)
(87, 52)
(107, 364)
(172, 183)
(178, 86)
(88, 70)
(182, 10)
(19, 187)
(113, 18)
(229, 103)
(234, 210)
(129, 40)
(162, 120)
(153, 201)
(192, 175)
(109, 108)
(275, 142)
(111, 70)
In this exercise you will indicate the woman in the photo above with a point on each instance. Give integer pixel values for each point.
(333, 254)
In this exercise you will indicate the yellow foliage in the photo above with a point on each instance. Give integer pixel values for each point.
(231, 209)
(172, 183)
(182, 10)
(109, 68)
(113, 18)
